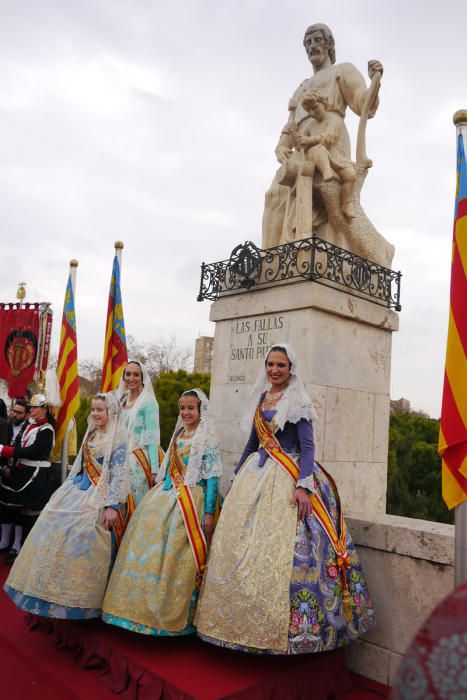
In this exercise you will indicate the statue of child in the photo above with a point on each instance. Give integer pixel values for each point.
(319, 138)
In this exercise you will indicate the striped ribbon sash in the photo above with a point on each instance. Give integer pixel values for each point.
(120, 526)
(190, 516)
(270, 443)
(144, 463)
(92, 466)
(122, 523)
(94, 470)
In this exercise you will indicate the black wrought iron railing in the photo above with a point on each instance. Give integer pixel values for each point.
(311, 259)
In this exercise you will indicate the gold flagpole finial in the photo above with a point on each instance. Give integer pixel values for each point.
(118, 245)
(21, 292)
(73, 263)
(460, 117)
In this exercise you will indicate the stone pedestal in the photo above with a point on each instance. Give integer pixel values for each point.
(344, 346)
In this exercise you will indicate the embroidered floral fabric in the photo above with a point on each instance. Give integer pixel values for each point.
(316, 619)
(118, 476)
(144, 434)
(36, 606)
(152, 588)
(146, 426)
(245, 590)
(69, 540)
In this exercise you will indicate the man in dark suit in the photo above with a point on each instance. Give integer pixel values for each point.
(17, 424)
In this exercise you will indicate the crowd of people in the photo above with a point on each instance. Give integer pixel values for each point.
(142, 540)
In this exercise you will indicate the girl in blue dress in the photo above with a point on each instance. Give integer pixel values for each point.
(63, 567)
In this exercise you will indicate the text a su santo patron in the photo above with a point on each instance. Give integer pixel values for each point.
(257, 337)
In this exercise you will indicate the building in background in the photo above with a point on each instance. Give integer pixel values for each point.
(203, 353)
(400, 406)
(403, 406)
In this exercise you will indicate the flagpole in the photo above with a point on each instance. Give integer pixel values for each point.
(118, 245)
(73, 266)
(460, 513)
(460, 544)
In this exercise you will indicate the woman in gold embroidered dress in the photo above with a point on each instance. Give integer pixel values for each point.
(153, 588)
(63, 567)
(283, 576)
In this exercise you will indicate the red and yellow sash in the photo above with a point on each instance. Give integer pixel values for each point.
(190, 516)
(120, 527)
(94, 470)
(272, 446)
(144, 463)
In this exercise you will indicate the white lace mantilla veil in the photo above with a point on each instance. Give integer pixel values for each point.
(116, 435)
(147, 396)
(295, 403)
(204, 444)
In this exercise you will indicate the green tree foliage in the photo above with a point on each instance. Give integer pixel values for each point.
(168, 387)
(414, 469)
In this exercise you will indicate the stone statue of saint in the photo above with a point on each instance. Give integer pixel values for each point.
(317, 187)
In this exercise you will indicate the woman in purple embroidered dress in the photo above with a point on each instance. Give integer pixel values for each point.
(282, 578)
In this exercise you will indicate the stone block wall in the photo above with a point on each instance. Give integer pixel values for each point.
(409, 567)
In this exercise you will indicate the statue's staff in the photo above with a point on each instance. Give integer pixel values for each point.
(371, 97)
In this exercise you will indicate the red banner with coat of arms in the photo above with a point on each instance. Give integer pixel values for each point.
(19, 343)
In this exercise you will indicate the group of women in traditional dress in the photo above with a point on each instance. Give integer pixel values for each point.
(274, 571)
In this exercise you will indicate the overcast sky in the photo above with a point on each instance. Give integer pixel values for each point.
(155, 123)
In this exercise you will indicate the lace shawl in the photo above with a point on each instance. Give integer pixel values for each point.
(204, 460)
(114, 483)
(142, 419)
(295, 403)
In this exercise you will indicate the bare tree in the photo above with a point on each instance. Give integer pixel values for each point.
(160, 356)
(90, 374)
(90, 367)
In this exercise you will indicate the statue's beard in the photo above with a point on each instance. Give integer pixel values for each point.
(317, 57)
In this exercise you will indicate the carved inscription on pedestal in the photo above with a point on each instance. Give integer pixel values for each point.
(250, 340)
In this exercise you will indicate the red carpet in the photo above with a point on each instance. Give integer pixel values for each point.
(140, 668)
(31, 668)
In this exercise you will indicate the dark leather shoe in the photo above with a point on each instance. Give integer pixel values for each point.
(10, 556)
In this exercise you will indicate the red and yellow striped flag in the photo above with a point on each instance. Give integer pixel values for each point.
(115, 352)
(67, 368)
(452, 445)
